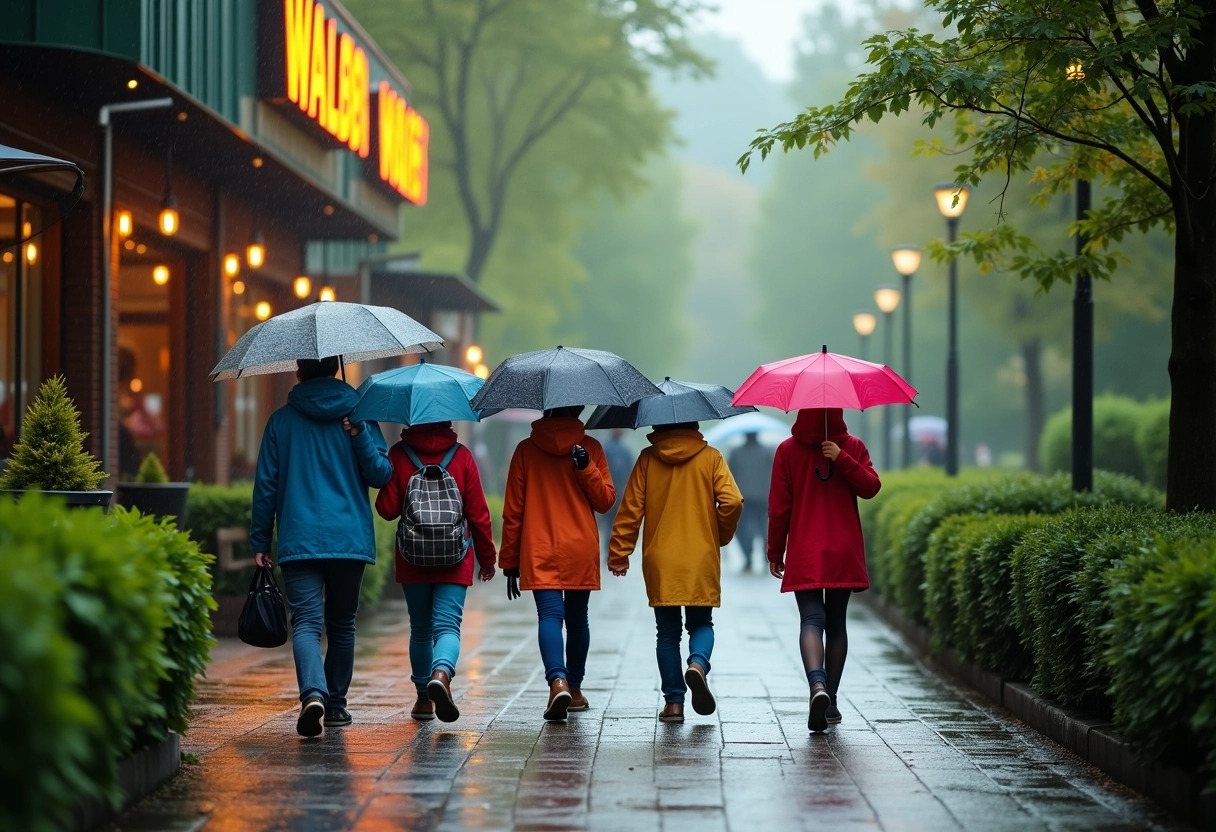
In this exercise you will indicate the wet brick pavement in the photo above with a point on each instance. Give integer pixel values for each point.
(913, 752)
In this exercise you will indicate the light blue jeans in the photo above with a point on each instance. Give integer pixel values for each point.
(555, 607)
(323, 592)
(436, 611)
(699, 621)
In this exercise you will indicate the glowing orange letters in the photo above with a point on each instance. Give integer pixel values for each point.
(403, 145)
(327, 74)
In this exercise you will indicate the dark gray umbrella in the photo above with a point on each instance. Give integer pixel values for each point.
(352, 331)
(685, 401)
(64, 181)
(562, 377)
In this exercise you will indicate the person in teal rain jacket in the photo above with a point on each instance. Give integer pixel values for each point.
(313, 475)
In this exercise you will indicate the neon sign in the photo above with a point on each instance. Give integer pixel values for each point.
(403, 138)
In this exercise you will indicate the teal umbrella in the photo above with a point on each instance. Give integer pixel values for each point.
(417, 394)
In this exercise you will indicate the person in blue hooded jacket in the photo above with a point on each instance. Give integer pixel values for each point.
(313, 475)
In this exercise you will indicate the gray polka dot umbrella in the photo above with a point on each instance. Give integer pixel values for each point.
(352, 331)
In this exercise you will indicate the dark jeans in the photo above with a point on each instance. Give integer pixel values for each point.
(324, 591)
(553, 608)
(753, 529)
(699, 621)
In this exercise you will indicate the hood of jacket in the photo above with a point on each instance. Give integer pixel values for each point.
(323, 399)
(557, 434)
(677, 446)
(808, 427)
(430, 438)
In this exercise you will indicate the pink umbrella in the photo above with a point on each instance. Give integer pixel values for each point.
(823, 379)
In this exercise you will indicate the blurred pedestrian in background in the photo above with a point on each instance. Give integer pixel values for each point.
(752, 466)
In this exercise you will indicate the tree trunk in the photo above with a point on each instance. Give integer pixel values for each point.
(479, 254)
(1033, 361)
(1191, 475)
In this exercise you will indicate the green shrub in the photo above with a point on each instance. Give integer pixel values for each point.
(376, 578)
(1047, 602)
(884, 545)
(151, 470)
(51, 453)
(1152, 441)
(48, 727)
(1162, 650)
(211, 507)
(985, 630)
(952, 543)
(1117, 421)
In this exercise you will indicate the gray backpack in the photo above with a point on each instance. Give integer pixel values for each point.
(432, 530)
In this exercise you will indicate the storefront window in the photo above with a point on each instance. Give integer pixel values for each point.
(21, 280)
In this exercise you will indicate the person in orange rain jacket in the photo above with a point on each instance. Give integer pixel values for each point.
(683, 492)
(558, 479)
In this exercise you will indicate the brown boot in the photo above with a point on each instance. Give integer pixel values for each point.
(672, 712)
(559, 700)
(424, 708)
(439, 689)
(578, 702)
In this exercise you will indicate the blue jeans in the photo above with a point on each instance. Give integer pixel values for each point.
(553, 608)
(323, 591)
(667, 646)
(435, 615)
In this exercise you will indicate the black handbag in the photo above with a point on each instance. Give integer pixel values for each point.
(263, 621)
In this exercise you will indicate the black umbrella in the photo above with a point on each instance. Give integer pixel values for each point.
(562, 377)
(65, 181)
(352, 331)
(685, 401)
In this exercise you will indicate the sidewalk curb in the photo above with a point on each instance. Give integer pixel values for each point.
(1094, 740)
(138, 776)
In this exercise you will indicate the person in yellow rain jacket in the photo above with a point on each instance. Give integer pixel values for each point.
(684, 491)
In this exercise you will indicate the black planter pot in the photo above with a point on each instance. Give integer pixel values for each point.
(74, 499)
(163, 499)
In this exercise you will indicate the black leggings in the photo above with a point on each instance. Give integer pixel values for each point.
(823, 639)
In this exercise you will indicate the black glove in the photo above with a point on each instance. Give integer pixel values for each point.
(512, 582)
(581, 457)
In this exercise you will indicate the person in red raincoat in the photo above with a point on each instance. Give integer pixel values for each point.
(815, 545)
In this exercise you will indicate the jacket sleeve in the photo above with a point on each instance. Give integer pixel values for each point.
(388, 501)
(595, 479)
(729, 500)
(780, 501)
(858, 471)
(629, 517)
(512, 513)
(372, 454)
(265, 491)
(476, 511)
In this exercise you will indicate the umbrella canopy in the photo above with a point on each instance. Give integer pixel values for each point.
(562, 377)
(684, 401)
(353, 331)
(824, 379)
(65, 181)
(925, 429)
(761, 423)
(417, 395)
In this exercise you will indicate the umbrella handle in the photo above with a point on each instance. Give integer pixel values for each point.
(822, 478)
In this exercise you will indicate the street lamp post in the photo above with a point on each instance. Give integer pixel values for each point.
(887, 300)
(1082, 341)
(951, 200)
(907, 260)
(864, 323)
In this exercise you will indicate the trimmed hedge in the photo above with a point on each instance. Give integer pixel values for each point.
(950, 545)
(1129, 438)
(1152, 441)
(104, 621)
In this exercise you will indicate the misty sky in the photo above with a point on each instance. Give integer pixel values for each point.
(766, 28)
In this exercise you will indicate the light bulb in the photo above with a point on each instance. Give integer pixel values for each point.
(262, 310)
(160, 275)
(302, 286)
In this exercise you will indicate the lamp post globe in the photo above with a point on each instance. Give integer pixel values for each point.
(951, 200)
(887, 300)
(906, 258)
(865, 323)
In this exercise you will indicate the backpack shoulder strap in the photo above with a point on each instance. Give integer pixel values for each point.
(413, 456)
(447, 458)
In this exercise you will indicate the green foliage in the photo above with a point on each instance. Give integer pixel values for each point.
(51, 454)
(1162, 649)
(151, 470)
(1047, 606)
(1152, 441)
(105, 624)
(950, 546)
(211, 507)
(1117, 425)
(985, 630)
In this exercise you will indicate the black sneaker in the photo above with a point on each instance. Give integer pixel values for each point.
(337, 717)
(702, 699)
(832, 715)
(820, 702)
(311, 714)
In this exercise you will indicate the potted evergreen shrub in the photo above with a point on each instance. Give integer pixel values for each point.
(50, 456)
(152, 493)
